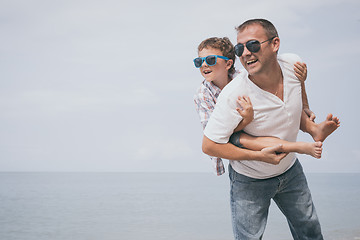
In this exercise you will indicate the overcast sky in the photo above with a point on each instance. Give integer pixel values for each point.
(108, 85)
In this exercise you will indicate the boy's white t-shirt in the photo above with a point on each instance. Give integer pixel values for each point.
(272, 117)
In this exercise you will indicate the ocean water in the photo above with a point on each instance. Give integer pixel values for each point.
(134, 206)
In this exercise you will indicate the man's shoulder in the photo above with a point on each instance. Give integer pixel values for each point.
(237, 84)
(287, 62)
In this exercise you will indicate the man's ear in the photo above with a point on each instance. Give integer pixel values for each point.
(276, 44)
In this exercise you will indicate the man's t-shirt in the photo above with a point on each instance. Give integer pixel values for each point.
(272, 117)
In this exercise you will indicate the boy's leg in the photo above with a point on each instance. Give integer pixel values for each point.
(313, 149)
(294, 200)
(243, 140)
(306, 125)
(319, 131)
(250, 200)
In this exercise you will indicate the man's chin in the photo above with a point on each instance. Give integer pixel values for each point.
(252, 71)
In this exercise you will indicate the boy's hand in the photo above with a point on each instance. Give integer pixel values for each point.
(310, 114)
(300, 71)
(246, 109)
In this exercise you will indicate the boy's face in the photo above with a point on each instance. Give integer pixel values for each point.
(217, 71)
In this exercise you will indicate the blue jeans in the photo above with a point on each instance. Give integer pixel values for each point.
(250, 201)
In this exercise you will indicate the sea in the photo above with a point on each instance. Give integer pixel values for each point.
(154, 206)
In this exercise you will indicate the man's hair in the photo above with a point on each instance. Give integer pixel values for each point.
(224, 45)
(269, 28)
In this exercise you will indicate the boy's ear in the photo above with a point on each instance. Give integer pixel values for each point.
(229, 63)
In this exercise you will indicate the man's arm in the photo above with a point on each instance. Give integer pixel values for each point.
(231, 152)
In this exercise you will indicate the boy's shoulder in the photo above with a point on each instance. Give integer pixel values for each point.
(206, 89)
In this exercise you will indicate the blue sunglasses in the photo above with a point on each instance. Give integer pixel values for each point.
(210, 60)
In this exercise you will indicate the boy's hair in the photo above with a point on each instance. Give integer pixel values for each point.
(269, 28)
(225, 46)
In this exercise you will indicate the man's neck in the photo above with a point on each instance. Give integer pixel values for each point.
(268, 80)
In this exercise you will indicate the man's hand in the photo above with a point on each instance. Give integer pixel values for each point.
(273, 155)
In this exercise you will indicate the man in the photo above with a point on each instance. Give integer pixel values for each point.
(275, 93)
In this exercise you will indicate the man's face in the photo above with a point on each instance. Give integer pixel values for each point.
(255, 63)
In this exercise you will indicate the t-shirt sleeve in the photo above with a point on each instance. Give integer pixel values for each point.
(288, 60)
(223, 120)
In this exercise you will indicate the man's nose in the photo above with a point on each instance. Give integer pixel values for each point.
(246, 51)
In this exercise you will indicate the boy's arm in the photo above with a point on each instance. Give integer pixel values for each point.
(204, 107)
(246, 111)
(319, 132)
(301, 73)
(241, 126)
(231, 152)
(305, 101)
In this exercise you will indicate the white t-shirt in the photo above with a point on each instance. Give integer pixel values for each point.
(272, 117)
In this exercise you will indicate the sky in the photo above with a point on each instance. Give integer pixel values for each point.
(108, 85)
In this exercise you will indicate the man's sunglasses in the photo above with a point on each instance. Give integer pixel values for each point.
(210, 60)
(252, 45)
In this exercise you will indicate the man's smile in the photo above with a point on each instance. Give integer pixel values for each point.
(249, 62)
